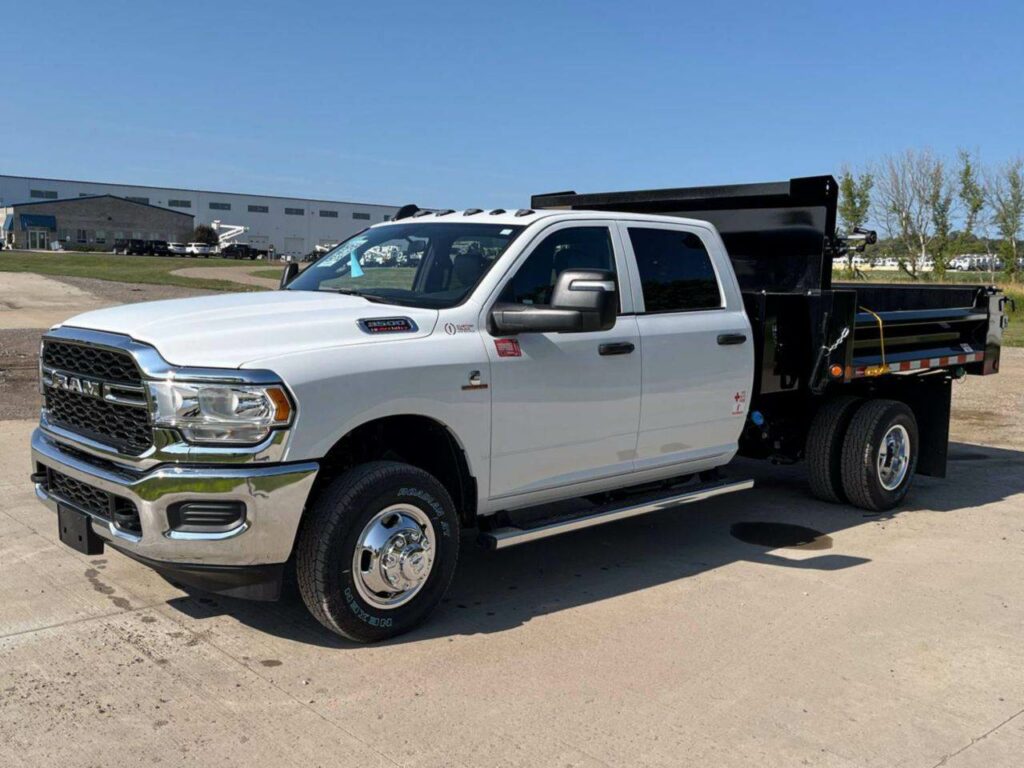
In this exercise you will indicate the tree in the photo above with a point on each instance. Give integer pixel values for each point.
(1006, 193)
(904, 185)
(854, 202)
(971, 193)
(204, 233)
(939, 201)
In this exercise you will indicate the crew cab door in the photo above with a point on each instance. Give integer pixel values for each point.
(565, 406)
(698, 358)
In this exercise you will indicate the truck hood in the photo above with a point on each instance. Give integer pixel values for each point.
(228, 330)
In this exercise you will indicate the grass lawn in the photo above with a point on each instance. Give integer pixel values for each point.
(1012, 336)
(121, 269)
(273, 274)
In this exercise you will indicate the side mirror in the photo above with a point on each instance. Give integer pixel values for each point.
(291, 269)
(582, 300)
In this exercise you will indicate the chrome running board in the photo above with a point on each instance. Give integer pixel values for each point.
(502, 538)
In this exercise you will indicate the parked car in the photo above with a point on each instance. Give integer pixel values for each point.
(238, 251)
(158, 247)
(198, 249)
(595, 365)
(131, 247)
(177, 249)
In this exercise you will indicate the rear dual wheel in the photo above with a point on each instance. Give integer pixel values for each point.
(863, 452)
(879, 455)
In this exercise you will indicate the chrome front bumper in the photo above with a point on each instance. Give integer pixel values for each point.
(274, 497)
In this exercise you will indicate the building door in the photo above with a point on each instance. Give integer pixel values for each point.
(38, 239)
(295, 245)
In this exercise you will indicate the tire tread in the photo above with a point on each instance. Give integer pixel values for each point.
(824, 448)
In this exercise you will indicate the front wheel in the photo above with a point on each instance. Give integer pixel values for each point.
(879, 455)
(378, 551)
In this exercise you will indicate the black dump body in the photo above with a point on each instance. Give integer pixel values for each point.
(812, 337)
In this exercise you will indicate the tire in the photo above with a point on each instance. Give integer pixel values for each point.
(824, 448)
(863, 476)
(332, 589)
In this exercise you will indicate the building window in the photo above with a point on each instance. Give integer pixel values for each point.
(328, 214)
(101, 237)
(676, 274)
(220, 206)
(82, 236)
(179, 203)
(294, 211)
(359, 215)
(259, 209)
(143, 200)
(45, 194)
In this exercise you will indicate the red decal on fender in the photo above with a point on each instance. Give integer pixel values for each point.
(508, 348)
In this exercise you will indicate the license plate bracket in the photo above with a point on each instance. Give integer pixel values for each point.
(75, 530)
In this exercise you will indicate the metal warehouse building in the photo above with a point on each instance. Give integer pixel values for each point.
(91, 221)
(290, 225)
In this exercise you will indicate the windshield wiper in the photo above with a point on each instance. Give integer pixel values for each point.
(349, 292)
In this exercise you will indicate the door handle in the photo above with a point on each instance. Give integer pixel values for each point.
(726, 339)
(616, 348)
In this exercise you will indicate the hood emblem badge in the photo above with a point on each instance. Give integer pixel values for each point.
(376, 325)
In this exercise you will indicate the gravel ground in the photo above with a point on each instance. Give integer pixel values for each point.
(129, 293)
(19, 391)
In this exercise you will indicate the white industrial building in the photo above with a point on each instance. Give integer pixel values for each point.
(290, 225)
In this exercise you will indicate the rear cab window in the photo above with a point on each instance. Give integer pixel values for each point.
(676, 273)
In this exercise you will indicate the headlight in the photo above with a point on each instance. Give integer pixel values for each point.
(220, 413)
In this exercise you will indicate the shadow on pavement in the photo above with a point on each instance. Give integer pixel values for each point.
(776, 524)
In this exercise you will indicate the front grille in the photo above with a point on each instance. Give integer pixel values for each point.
(117, 509)
(124, 427)
(97, 363)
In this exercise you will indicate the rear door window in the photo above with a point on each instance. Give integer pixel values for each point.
(676, 274)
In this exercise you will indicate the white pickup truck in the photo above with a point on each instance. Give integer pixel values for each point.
(355, 422)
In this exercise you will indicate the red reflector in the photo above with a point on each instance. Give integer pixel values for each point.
(508, 348)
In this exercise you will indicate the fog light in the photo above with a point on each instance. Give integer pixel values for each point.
(206, 516)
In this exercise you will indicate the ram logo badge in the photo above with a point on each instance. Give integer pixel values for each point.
(85, 387)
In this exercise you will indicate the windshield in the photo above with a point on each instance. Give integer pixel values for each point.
(421, 264)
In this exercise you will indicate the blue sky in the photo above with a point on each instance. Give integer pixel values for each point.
(461, 104)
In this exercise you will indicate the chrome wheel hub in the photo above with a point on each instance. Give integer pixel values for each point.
(394, 556)
(894, 457)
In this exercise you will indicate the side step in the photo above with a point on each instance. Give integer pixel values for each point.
(502, 538)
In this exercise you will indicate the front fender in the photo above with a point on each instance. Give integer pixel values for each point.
(338, 391)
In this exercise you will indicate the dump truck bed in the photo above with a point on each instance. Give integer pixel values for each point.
(812, 334)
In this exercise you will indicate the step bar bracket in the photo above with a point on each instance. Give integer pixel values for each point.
(510, 536)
